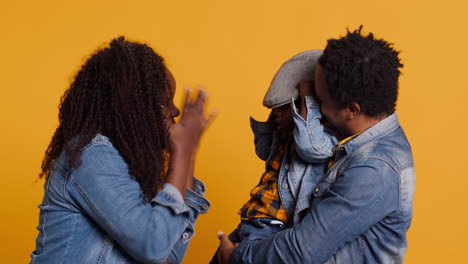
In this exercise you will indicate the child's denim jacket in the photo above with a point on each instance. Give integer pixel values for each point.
(305, 160)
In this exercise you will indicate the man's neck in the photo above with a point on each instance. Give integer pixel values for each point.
(362, 123)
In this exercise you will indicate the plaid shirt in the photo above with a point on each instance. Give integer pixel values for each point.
(265, 201)
(340, 144)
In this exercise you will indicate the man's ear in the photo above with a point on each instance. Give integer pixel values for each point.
(354, 109)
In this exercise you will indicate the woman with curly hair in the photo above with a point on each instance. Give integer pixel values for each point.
(119, 170)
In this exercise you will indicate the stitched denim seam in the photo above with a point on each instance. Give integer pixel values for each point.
(98, 140)
(361, 249)
(64, 193)
(353, 225)
(400, 186)
(187, 225)
(98, 212)
(281, 179)
(173, 203)
(180, 232)
(66, 196)
(396, 178)
(105, 244)
(67, 247)
(195, 205)
(175, 208)
(318, 148)
(45, 220)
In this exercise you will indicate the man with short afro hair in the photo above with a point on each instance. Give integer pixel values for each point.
(362, 208)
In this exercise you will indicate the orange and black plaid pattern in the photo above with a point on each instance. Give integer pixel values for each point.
(264, 198)
(341, 143)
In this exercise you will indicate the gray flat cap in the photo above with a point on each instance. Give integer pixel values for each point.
(283, 86)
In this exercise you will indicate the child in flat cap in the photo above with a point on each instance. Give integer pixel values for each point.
(295, 158)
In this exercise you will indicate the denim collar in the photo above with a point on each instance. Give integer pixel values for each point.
(382, 128)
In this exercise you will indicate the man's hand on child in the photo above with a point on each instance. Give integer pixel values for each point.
(226, 247)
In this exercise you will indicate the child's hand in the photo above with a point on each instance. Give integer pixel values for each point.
(306, 87)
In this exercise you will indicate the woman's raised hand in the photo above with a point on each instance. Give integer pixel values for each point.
(185, 134)
(184, 137)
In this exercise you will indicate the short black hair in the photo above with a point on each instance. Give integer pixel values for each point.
(364, 70)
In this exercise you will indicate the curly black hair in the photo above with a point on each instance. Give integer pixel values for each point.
(119, 92)
(364, 70)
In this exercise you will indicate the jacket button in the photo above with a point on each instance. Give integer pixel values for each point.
(185, 235)
(286, 166)
(317, 190)
(284, 186)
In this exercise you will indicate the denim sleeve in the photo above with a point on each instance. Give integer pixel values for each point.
(362, 196)
(313, 143)
(194, 198)
(199, 205)
(263, 137)
(150, 232)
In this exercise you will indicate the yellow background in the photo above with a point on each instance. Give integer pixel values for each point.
(234, 48)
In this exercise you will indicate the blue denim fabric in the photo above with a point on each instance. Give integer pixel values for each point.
(360, 212)
(257, 228)
(291, 171)
(254, 228)
(305, 160)
(313, 141)
(95, 214)
(296, 177)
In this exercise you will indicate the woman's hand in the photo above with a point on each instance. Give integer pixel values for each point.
(185, 135)
(184, 138)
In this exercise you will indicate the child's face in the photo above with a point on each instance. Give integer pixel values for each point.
(283, 117)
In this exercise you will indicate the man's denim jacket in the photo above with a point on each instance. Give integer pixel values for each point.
(360, 210)
(95, 214)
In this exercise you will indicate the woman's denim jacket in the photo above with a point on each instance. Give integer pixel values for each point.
(95, 214)
(360, 210)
